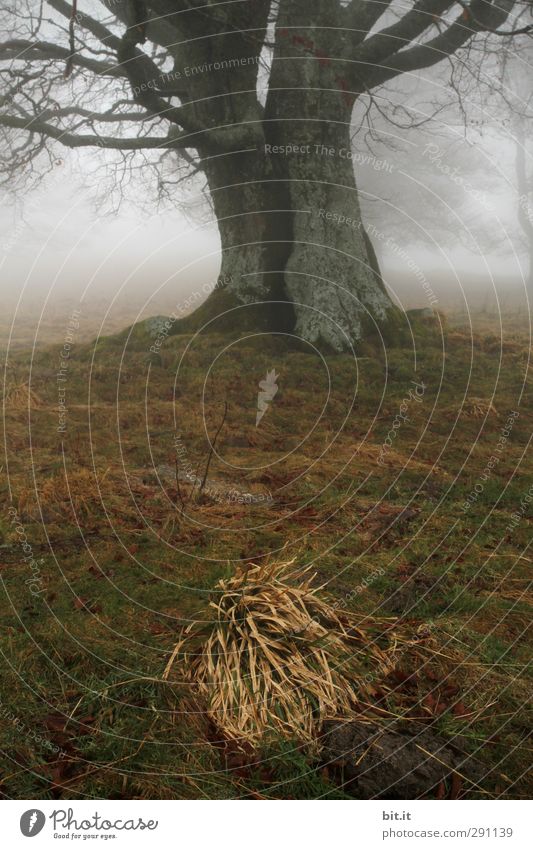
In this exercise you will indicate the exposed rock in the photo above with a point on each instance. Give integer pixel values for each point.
(214, 489)
(155, 325)
(392, 762)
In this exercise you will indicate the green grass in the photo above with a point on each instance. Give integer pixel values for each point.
(123, 569)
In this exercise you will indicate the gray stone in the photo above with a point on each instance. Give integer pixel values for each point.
(391, 762)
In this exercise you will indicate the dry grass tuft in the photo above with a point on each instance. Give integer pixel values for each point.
(478, 408)
(277, 658)
(20, 396)
(81, 493)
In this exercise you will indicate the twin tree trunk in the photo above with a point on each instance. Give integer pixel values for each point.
(294, 250)
(295, 255)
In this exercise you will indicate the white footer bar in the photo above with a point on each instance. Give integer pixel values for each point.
(268, 824)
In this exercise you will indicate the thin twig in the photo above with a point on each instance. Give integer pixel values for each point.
(211, 452)
(178, 488)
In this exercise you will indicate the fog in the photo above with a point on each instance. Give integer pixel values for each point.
(443, 208)
(59, 247)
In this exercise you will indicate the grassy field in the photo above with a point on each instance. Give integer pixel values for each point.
(402, 479)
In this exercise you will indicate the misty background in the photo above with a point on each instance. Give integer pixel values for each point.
(441, 189)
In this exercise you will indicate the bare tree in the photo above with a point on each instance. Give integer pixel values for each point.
(519, 100)
(255, 95)
(524, 180)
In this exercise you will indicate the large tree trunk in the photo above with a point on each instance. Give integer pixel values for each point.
(329, 274)
(295, 256)
(252, 208)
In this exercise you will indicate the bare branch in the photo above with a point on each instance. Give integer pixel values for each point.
(494, 31)
(111, 143)
(448, 42)
(21, 49)
(361, 16)
(402, 32)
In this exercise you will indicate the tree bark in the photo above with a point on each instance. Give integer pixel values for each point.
(251, 205)
(329, 275)
(295, 255)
